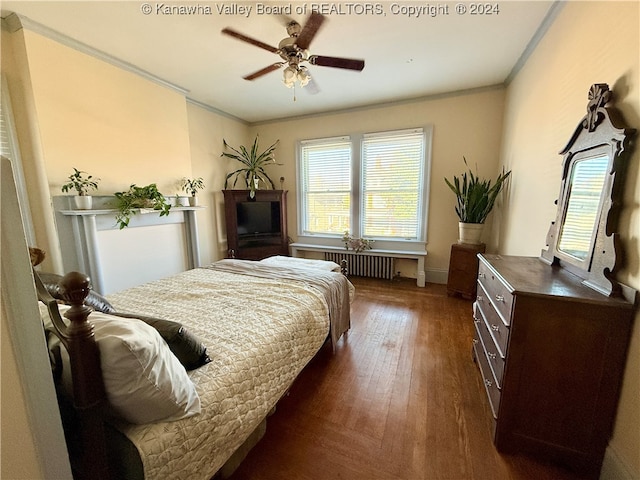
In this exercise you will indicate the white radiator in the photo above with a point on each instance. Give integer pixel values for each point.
(362, 265)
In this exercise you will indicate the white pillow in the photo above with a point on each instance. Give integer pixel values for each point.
(295, 262)
(144, 380)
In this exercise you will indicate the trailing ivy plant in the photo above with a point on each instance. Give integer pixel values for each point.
(475, 196)
(254, 163)
(139, 197)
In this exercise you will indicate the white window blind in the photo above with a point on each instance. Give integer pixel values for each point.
(326, 185)
(392, 184)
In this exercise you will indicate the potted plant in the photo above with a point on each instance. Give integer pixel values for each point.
(81, 184)
(254, 163)
(191, 187)
(356, 244)
(475, 199)
(136, 198)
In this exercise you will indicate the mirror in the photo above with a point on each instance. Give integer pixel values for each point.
(583, 237)
(586, 183)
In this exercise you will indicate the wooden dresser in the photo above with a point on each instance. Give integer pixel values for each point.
(551, 353)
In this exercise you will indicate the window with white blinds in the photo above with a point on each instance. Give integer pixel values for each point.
(392, 180)
(325, 167)
(372, 185)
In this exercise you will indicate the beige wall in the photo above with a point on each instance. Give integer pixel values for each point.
(117, 126)
(467, 125)
(590, 42)
(206, 133)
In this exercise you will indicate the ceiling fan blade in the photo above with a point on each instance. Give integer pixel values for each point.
(337, 62)
(252, 41)
(263, 71)
(314, 22)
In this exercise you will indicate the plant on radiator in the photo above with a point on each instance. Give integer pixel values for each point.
(356, 244)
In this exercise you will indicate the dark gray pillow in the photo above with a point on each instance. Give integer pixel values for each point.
(189, 350)
(185, 346)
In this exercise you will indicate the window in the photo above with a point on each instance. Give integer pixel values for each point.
(373, 185)
(9, 149)
(326, 185)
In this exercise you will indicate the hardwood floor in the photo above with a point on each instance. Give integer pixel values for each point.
(400, 399)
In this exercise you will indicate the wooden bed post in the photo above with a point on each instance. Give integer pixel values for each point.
(88, 387)
(89, 395)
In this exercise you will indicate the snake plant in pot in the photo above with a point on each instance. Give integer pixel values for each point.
(253, 163)
(475, 198)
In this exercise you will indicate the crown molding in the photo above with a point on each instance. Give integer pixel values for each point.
(549, 18)
(14, 22)
(211, 109)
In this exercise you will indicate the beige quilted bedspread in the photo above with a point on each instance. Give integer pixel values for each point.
(260, 333)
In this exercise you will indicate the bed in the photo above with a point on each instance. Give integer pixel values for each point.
(250, 327)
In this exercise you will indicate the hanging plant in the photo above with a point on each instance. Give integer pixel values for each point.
(254, 162)
(127, 203)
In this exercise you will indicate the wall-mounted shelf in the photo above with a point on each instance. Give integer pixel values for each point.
(113, 211)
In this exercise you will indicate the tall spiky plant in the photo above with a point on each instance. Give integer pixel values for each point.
(254, 163)
(475, 196)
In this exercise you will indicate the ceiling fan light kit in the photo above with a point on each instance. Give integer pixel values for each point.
(294, 50)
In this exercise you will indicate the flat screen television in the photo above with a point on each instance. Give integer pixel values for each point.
(258, 219)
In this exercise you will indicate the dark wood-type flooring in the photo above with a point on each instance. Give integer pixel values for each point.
(400, 399)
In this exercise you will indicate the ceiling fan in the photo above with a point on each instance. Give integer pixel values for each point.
(294, 51)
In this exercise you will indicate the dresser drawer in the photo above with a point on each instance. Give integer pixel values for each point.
(496, 326)
(494, 357)
(493, 393)
(496, 291)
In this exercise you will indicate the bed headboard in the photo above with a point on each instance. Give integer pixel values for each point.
(88, 386)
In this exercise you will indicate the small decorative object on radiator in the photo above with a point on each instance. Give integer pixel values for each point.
(356, 244)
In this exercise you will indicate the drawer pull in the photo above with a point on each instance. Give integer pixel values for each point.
(479, 298)
(482, 275)
(492, 356)
(488, 383)
(499, 298)
(495, 328)
(475, 341)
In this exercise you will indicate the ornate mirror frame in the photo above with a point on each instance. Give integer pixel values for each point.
(600, 139)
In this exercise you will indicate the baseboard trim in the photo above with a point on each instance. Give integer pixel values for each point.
(615, 468)
(437, 276)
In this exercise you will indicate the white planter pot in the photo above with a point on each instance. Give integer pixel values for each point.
(470, 233)
(183, 202)
(83, 202)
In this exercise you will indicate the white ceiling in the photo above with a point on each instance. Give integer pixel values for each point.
(406, 57)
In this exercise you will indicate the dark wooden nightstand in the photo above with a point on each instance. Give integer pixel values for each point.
(463, 269)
